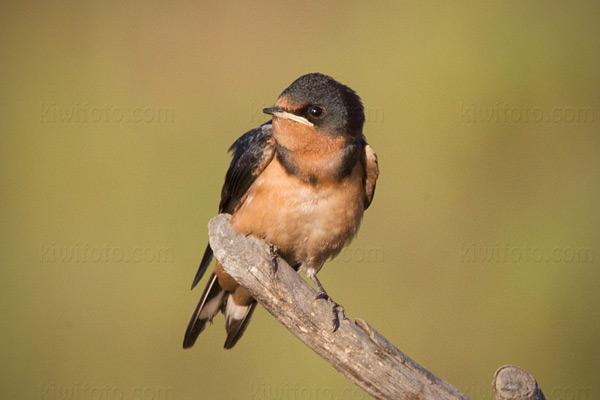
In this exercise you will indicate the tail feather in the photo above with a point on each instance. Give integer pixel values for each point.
(209, 305)
(219, 296)
(237, 318)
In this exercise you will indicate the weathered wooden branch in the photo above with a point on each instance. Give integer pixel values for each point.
(356, 350)
(514, 383)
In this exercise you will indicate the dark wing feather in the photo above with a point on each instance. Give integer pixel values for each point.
(206, 259)
(252, 152)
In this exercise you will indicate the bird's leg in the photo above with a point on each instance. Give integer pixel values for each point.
(336, 308)
(273, 254)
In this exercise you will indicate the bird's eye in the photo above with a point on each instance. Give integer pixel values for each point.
(315, 111)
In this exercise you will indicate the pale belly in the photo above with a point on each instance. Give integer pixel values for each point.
(307, 223)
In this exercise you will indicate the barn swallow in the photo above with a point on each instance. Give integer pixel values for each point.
(300, 182)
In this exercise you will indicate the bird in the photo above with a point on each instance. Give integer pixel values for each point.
(301, 182)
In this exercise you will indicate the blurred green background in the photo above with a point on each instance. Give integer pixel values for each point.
(480, 248)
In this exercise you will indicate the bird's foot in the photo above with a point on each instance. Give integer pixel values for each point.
(273, 254)
(336, 309)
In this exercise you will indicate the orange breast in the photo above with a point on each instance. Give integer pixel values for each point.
(308, 223)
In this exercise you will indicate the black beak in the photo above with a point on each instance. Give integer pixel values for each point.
(272, 110)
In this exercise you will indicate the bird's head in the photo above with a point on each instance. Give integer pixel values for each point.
(321, 103)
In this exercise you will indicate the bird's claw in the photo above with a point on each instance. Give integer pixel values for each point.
(336, 310)
(273, 254)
